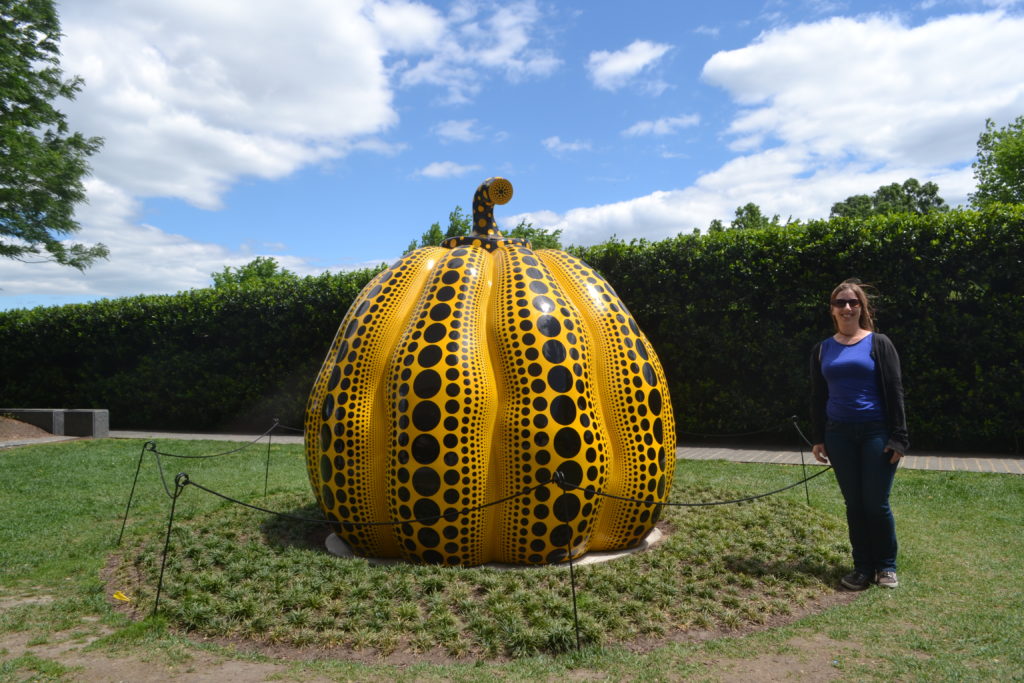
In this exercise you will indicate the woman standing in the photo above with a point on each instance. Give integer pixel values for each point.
(859, 425)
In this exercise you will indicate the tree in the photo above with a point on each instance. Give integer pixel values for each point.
(910, 197)
(42, 163)
(999, 170)
(261, 271)
(460, 224)
(540, 238)
(749, 217)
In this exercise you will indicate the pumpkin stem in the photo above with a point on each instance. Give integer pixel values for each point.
(491, 191)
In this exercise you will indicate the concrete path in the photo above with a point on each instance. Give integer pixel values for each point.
(918, 460)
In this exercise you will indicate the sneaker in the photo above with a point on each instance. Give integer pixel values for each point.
(887, 579)
(856, 581)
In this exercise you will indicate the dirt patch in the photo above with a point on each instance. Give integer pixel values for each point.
(70, 649)
(814, 658)
(16, 430)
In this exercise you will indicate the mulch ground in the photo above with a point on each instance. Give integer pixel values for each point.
(16, 430)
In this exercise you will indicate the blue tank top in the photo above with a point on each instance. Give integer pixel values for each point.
(853, 394)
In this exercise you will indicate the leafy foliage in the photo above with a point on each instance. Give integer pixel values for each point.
(747, 217)
(732, 315)
(720, 568)
(232, 357)
(910, 197)
(41, 162)
(460, 224)
(999, 170)
(259, 272)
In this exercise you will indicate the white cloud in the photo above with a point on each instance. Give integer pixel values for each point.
(458, 131)
(192, 95)
(664, 126)
(613, 70)
(142, 258)
(556, 145)
(502, 42)
(874, 88)
(408, 26)
(707, 31)
(836, 108)
(446, 169)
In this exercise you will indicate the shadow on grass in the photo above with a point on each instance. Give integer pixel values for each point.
(294, 531)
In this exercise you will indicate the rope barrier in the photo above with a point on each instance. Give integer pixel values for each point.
(182, 480)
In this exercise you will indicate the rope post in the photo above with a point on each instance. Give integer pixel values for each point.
(270, 441)
(149, 445)
(803, 465)
(180, 482)
(559, 479)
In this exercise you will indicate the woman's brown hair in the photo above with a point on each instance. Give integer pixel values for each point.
(867, 314)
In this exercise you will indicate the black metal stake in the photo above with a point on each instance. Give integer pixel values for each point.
(266, 470)
(180, 482)
(131, 495)
(572, 582)
(803, 465)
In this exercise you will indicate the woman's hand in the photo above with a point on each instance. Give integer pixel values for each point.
(896, 455)
(819, 452)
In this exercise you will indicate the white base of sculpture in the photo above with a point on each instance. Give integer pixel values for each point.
(338, 547)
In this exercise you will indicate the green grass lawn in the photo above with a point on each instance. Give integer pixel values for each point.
(237, 573)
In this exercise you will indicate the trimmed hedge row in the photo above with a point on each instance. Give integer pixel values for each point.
(733, 316)
(202, 359)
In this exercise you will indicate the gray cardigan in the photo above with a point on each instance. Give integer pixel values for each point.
(890, 381)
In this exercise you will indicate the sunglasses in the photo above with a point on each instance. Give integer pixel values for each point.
(843, 303)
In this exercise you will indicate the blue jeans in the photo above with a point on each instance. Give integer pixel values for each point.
(865, 475)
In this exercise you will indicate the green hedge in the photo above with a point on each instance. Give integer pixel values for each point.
(733, 316)
(202, 359)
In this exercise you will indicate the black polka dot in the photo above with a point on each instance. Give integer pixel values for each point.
(450, 277)
(428, 538)
(548, 325)
(328, 496)
(429, 356)
(649, 375)
(426, 481)
(567, 507)
(425, 449)
(567, 442)
(325, 468)
(426, 510)
(554, 351)
(427, 384)
(572, 472)
(560, 379)
(434, 333)
(560, 536)
(654, 401)
(327, 408)
(563, 410)
(440, 311)
(543, 304)
(426, 416)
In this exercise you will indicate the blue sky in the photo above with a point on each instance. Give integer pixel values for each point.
(330, 133)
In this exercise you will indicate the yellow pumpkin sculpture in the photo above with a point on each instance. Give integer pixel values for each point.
(470, 372)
